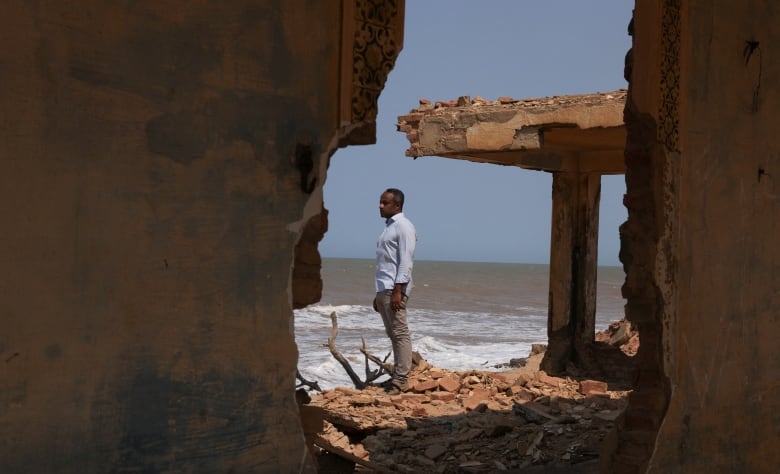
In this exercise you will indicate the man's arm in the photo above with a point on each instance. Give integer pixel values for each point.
(407, 239)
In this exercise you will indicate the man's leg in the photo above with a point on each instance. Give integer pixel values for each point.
(398, 331)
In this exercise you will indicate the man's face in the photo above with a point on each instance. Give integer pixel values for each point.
(387, 206)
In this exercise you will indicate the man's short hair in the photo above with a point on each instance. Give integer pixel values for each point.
(398, 196)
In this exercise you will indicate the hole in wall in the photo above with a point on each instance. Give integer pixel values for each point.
(466, 211)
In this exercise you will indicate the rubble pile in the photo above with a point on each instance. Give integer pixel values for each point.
(471, 421)
(620, 334)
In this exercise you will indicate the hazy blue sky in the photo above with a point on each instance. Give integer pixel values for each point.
(466, 211)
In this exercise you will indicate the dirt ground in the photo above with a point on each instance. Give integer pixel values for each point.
(508, 420)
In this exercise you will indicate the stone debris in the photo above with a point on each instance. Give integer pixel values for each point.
(449, 384)
(466, 101)
(592, 387)
(621, 334)
(475, 421)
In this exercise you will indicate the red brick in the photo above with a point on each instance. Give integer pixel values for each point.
(348, 391)
(411, 118)
(442, 396)
(549, 379)
(449, 384)
(590, 387)
(524, 378)
(413, 397)
(424, 386)
(500, 377)
(525, 394)
(435, 373)
(331, 395)
(478, 396)
(446, 103)
(502, 399)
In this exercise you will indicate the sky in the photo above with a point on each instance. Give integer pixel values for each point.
(478, 212)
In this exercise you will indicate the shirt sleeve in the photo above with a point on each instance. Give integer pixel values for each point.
(407, 239)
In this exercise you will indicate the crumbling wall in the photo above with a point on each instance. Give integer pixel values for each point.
(159, 162)
(721, 356)
(699, 246)
(306, 279)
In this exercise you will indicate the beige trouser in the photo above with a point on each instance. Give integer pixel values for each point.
(398, 332)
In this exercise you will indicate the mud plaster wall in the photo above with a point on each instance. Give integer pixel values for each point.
(157, 158)
(700, 245)
(723, 361)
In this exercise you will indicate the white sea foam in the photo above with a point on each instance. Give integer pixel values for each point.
(447, 339)
(462, 316)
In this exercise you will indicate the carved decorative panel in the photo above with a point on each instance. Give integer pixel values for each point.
(668, 113)
(377, 42)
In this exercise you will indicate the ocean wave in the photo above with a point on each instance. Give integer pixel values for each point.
(317, 316)
(465, 356)
(457, 353)
(463, 316)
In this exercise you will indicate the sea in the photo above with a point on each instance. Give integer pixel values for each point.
(462, 315)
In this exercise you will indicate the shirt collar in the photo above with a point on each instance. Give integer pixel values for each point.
(394, 218)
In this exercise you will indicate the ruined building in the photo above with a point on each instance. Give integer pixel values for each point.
(162, 160)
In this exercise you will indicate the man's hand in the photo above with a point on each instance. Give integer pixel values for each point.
(375, 306)
(397, 300)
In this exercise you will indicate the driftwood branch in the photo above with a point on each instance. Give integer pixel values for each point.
(384, 368)
(371, 375)
(305, 383)
(383, 365)
(334, 331)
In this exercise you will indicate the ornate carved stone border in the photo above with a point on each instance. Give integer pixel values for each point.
(372, 38)
(668, 114)
(648, 237)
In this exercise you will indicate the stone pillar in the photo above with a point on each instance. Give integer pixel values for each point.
(573, 269)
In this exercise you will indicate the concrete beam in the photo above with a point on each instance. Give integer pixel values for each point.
(597, 162)
(532, 133)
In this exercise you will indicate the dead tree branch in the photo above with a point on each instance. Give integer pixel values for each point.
(383, 365)
(305, 383)
(334, 331)
(371, 375)
(384, 368)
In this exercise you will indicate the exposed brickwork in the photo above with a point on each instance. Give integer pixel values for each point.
(640, 236)
(409, 123)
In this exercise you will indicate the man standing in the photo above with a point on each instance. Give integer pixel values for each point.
(394, 258)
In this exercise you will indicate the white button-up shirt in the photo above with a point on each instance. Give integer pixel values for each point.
(395, 253)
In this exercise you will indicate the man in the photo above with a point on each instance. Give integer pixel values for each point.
(394, 256)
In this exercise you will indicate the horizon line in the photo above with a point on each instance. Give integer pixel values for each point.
(465, 261)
